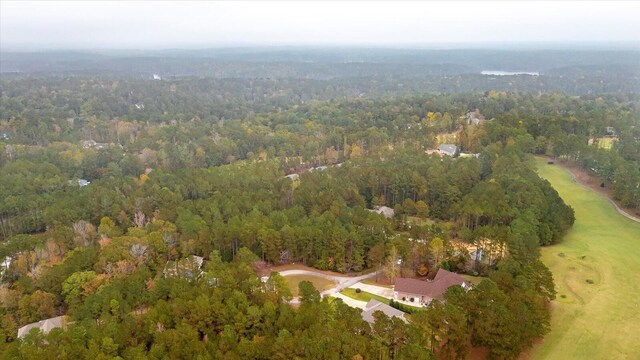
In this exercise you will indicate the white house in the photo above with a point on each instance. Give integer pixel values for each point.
(424, 292)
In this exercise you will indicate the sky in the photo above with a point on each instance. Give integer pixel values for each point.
(31, 25)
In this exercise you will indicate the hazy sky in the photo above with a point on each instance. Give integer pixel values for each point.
(168, 24)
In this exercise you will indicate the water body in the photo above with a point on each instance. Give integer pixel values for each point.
(508, 73)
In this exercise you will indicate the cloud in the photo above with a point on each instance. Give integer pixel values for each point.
(162, 24)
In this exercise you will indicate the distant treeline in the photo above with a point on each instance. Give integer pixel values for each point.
(370, 72)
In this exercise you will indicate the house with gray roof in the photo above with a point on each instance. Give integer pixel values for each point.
(44, 326)
(384, 211)
(374, 305)
(447, 149)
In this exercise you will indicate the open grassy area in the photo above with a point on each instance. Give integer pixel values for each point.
(596, 269)
(474, 280)
(605, 142)
(363, 295)
(320, 283)
(366, 296)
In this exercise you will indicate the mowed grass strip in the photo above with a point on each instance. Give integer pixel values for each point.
(320, 283)
(366, 296)
(596, 269)
(363, 295)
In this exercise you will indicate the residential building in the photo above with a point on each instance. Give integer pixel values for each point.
(447, 149)
(374, 305)
(43, 325)
(424, 292)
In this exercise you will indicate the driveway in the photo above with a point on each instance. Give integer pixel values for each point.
(342, 282)
(349, 301)
(377, 290)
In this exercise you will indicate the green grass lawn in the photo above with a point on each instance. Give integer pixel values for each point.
(321, 284)
(366, 296)
(474, 280)
(596, 269)
(363, 295)
(605, 142)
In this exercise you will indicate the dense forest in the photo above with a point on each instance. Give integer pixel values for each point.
(107, 178)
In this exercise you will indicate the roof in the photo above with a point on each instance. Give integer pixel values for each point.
(434, 289)
(448, 149)
(384, 210)
(374, 305)
(44, 325)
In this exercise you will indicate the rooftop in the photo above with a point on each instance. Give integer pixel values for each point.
(374, 305)
(434, 289)
(448, 149)
(44, 325)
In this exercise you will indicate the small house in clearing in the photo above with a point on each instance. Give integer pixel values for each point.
(44, 326)
(384, 211)
(374, 305)
(447, 149)
(424, 292)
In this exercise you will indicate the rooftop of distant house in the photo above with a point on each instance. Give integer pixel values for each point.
(374, 305)
(45, 325)
(384, 211)
(447, 149)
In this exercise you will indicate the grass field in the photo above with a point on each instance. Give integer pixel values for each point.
(363, 295)
(321, 284)
(605, 142)
(596, 269)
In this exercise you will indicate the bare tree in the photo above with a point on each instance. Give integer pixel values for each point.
(138, 219)
(84, 232)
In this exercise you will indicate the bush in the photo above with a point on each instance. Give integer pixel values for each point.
(402, 307)
(358, 291)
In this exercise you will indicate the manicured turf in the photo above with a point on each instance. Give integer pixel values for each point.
(363, 295)
(321, 284)
(366, 296)
(596, 269)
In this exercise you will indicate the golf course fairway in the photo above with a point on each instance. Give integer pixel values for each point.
(596, 270)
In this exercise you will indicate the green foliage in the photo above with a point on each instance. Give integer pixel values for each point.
(194, 175)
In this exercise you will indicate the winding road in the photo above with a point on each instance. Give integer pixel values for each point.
(342, 282)
(618, 208)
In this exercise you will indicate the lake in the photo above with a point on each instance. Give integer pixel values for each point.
(505, 73)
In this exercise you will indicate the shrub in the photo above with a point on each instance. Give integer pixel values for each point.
(358, 291)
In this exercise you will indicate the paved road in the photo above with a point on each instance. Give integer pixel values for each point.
(342, 282)
(373, 289)
(618, 208)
